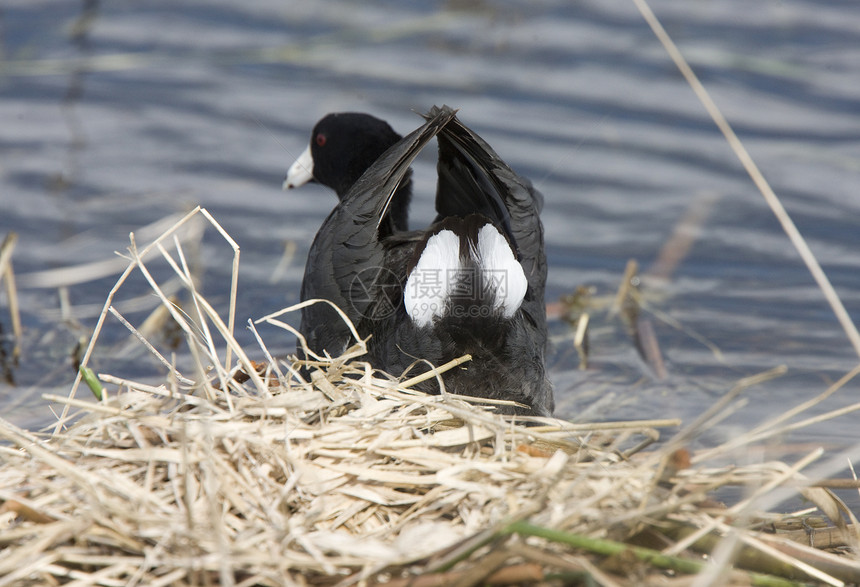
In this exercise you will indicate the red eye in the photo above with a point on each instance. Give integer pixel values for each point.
(321, 138)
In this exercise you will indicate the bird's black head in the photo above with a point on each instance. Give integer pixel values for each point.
(342, 147)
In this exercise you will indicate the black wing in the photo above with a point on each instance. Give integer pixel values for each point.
(473, 178)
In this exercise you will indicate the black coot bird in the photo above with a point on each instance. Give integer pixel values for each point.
(473, 282)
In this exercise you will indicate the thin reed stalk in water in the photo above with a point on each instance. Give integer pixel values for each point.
(7, 275)
(755, 174)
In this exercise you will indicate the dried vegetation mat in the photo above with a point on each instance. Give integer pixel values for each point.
(238, 472)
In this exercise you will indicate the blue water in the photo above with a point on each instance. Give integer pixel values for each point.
(116, 115)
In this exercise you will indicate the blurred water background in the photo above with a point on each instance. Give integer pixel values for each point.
(119, 115)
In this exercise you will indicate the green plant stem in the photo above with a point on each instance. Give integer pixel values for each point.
(647, 555)
(92, 381)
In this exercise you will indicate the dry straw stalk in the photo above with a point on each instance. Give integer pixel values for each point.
(241, 473)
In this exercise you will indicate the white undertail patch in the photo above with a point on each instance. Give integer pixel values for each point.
(429, 286)
(501, 272)
(494, 275)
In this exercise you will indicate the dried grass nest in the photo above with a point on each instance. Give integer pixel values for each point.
(241, 473)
